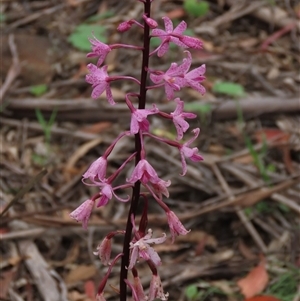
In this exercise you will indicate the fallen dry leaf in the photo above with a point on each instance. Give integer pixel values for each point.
(81, 272)
(255, 282)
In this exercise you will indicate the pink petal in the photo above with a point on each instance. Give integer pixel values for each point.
(153, 256)
(163, 48)
(180, 28)
(109, 95)
(134, 125)
(158, 32)
(98, 90)
(133, 257)
(168, 24)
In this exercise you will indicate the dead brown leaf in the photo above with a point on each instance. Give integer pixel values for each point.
(81, 272)
(255, 282)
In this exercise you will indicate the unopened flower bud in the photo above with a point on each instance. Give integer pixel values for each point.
(124, 26)
(150, 22)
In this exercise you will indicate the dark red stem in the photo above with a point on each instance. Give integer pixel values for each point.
(138, 147)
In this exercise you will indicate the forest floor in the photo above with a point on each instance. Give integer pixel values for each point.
(242, 202)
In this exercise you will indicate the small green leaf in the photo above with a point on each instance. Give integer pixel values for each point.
(38, 90)
(228, 88)
(79, 38)
(191, 292)
(201, 108)
(196, 8)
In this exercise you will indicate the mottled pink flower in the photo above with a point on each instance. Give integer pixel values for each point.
(144, 172)
(195, 77)
(97, 170)
(107, 192)
(191, 153)
(178, 118)
(83, 212)
(142, 249)
(139, 119)
(175, 225)
(98, 78)
(99, 49)
(104, 251)
(156, 289)
(166, 35)
(160, 188)
(173, 78)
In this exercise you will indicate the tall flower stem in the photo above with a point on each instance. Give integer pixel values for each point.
(138, 146)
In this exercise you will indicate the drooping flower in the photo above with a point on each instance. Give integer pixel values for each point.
(142, 249)
(104, 251)
(166, 35)
(160, 188)
(137, 289)
(156, 289)
(144, 172)
(97, 170)
(99, 49)
(139, 119)
(191, 153)
(178, 118)
(99, 80)
(83, 212)
(175, 225)
(107, 192)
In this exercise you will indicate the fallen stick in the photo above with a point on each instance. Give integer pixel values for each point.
(91, 110)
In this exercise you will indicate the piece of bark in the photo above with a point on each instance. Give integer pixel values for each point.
(40, 271)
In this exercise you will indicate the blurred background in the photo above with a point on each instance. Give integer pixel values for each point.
(242, 202)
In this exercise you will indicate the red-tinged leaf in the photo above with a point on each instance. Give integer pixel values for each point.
(271, 136)
(262, 298)
(90, 290)
(255, 282)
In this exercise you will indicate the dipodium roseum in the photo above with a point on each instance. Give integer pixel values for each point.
(144, 172)
(191, 153)
(175, 225)
(99, 49)
(142, 249)
(83, 212)
(166, 35)
(97, 170)
(178, 118)
(138, 243)
(99, 80)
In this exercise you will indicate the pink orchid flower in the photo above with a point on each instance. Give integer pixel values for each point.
(142, 249)
(139, 119)
(83, 212)
(97, 170)
(99, 49)
(191, 153)
(144, 172)
(178, 118)
(166, 35)
(175, 225)
(99, 80)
